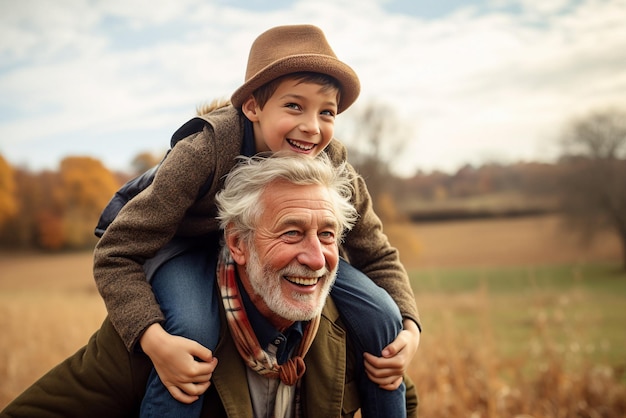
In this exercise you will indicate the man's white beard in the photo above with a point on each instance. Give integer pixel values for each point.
(266, 283)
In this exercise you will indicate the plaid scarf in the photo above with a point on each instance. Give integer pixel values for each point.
(259, 360)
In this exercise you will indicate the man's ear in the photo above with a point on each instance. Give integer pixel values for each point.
(249, 108)
(237, 247)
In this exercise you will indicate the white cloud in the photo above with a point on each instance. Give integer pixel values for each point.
(475, 85)
(494, 86)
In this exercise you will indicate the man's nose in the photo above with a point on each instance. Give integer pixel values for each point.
(312, 254)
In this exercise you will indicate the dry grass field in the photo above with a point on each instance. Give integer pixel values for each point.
(48, 308)
(471, 363)
(518, 241)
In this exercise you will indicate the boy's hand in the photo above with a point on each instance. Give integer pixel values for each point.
(387, 371)
(174, 359)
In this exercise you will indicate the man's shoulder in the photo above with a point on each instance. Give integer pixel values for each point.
(330, 311)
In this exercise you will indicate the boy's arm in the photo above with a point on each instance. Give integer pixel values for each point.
(142, 227)
(184, 366)
(387, 370)
(368, 249)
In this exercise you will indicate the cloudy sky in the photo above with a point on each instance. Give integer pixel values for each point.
(476, 81)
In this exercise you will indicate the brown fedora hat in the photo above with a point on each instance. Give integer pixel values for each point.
(290, 49)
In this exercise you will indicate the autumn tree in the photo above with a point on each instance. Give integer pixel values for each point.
(375, 137)
(47, 213)
(57, 209)
(594, 186)
(35, 198)
(8, 202)
(85, 188)
(145, 161)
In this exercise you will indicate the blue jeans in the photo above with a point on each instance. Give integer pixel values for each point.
(373, 321)
(184, 287)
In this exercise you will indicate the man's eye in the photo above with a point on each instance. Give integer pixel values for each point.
(327, 236)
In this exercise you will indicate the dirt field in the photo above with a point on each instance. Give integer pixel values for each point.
(49, 306)
(523, 241)
(48, 309)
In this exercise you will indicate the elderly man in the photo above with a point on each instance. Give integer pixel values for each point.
(283, 352)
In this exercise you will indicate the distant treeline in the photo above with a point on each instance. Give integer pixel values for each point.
(58, 209)
(460, 213)
(487, 191)
(54, 210)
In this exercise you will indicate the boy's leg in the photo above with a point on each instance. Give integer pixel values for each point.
(101, 380)
(184, 286)
(373, 321)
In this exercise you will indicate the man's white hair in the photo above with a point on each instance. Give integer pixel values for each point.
(239, 202)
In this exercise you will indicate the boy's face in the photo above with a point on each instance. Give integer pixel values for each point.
(298, 117)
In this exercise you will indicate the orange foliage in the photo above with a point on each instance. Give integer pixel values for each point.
(50, 228)
(57, 209)
(145, 161)
(86, 183)
(8, 203)
(386, 208)
(85, 188)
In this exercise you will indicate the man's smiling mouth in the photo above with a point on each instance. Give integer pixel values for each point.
(302, 281)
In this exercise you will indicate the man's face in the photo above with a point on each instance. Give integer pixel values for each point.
(291, 267)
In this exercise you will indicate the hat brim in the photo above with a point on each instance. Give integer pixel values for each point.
(347, 78)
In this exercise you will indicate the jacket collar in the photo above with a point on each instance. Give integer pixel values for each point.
(323, 382)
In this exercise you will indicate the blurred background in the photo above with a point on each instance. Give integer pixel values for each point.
(492, 136)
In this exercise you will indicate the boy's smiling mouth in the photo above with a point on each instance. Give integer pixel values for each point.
(302, 146)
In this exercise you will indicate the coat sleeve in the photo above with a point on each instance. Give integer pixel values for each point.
(368, 249)
(144, 226)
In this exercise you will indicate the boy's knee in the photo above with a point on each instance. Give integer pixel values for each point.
(203, 330)
(385, 311)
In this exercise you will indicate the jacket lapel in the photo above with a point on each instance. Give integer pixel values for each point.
(323, 383)
(229, 377)
(324, 380)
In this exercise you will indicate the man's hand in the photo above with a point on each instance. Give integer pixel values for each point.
(174, 359)
(387, 371)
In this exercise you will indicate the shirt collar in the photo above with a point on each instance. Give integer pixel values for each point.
(247, 146)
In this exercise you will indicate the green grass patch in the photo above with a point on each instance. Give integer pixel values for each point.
(591, 277)
(576, 312)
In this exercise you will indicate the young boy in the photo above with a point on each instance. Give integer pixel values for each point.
(294, 88)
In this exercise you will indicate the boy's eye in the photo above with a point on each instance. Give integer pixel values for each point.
(328, 113)
(294, 106)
